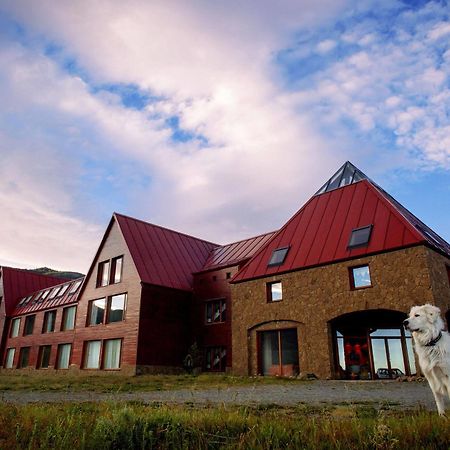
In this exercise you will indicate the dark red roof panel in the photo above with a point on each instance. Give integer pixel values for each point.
(320, 232)
(235, 253)
(18, 283)
(163, 257)
(58, 295)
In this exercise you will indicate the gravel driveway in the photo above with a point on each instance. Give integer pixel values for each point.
(401, 395)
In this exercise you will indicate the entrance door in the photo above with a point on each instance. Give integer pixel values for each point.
(278, 352)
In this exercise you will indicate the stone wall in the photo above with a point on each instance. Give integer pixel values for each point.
(312, 297)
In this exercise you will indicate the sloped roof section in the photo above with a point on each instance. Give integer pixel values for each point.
(163, 257)
(320, 232)
(235, 253)
(58, 295)
(19, 282)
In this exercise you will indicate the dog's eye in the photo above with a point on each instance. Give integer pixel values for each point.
(416, 315)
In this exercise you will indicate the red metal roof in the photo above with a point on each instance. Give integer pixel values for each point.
(237, 252)
(163, 257)
(18, 283)
(319, 233)
(58, 295)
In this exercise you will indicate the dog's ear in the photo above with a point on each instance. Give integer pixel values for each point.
(432, 313)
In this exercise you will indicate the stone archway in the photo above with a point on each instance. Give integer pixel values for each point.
(274, 348)
(371, 344)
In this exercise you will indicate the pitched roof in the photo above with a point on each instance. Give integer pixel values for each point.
(236, 252)
(163, 257)
(19, 282)
(319, 232)
(58, 295)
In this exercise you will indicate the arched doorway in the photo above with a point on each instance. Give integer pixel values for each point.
(372, 344)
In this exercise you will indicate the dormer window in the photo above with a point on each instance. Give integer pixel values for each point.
(360, 237)
(278, 256)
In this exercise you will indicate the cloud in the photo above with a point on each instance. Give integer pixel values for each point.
(213, 147)
(391, 79)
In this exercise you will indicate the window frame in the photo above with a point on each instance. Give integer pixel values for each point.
(85, 354)
(222, 305)
(113, 270)
(22, 350)
(5, 362)
(64, 316)
(106, 314)
(27, 318)
(11, 328)
(352, 277)
(58, 356)
(269, 292)
(45, 322)
(351, 246)
(222, 361)
(42, 348)
(103, 354)
(273, 262)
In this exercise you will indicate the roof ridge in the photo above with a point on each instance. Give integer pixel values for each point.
(250, 238)
(166, 228)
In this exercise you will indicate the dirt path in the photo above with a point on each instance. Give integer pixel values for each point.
(401, 395)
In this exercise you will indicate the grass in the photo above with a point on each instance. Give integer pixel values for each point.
(139, 426)
(122, 383)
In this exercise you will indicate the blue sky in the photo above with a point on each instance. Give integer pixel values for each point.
(212, 118)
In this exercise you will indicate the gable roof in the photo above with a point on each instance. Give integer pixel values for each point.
(163, 257)
(236, 252)
(18, 283)
(319, 232)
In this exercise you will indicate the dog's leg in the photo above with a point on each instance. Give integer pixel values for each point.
(438, 391)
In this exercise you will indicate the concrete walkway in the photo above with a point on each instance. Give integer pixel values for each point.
(379, 393)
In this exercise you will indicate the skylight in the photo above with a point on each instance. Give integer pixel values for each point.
(278, 256)
(347, 174)
(360, 236)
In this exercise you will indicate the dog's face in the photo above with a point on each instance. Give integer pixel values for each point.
(422, 318)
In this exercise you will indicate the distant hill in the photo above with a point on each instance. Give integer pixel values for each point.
(56, 273)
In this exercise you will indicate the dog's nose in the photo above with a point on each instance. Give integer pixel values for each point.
(405, 323)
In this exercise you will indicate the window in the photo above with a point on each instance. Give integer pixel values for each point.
(29, 325)
(63, 290)
(54, 292)
(45, 295)
(49, 322)
(63, 356)
(9, 360)
(360, 237)
(228, 275)
(111, 353)
(116, 270)
(68, 318)
(103, 274)
(92, 355)
(15, 326)
(216, 311)
(116, 308)
(216, 359)
(97, 311)
(44, 356)
(360, 277)
(278, 256)
(274, 292)
(75, 286)
(24, 357)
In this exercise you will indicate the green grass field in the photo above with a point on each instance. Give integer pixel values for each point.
(139, 426)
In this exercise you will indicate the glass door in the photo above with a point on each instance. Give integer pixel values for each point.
(278, 352)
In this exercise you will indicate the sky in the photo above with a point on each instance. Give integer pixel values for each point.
(218, 119)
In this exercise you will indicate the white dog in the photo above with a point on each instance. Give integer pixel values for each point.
(432, 346)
